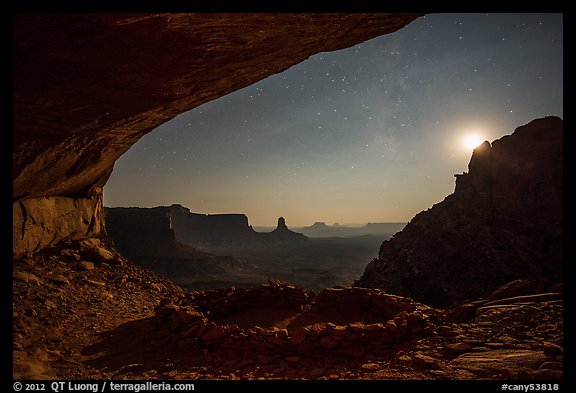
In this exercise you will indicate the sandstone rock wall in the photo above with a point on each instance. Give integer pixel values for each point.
(142, 232)
(86, 87)
(196, 228)
(43, 222)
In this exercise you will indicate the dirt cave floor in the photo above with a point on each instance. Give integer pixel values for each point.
(81, 311)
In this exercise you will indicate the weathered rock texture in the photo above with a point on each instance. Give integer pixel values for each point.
(165, 231)
(86, 87)
(145, 233)
(175, 242)
(82, 312)
(504, 221)
(194, 228)
(44, 222)
(145, 236)
(299, 323)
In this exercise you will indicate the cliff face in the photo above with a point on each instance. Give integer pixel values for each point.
(194, 228)
(181, 245)
(86, 87)
(225, 230)
(504, 221)
(283, 234)
(45, 221)
(145, 236)
(142, 233)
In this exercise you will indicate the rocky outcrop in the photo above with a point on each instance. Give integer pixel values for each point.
(196, 251)
(320, 229)
(144, 232)
(86, 87)
(66, 295)
(283, 234)
(281, 225)
(145, 236)
(82, 311)
(44, 222)
(318, 225)
(504, 221)
(225, 230)
(201, 229)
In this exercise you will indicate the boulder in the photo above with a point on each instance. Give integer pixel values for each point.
(84, 266)
(499, 361)
(328, 342)
(424, 361)
(215, 333)
(298, 335)
(26, 277)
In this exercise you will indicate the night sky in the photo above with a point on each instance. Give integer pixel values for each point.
(372, 133)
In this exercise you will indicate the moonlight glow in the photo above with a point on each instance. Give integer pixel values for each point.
(472, 140)
(371, 133)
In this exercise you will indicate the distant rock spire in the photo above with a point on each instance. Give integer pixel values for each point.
(282, 233)
(281, 223)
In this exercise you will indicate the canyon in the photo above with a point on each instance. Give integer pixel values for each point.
(200, 251)
(470, 289)
(82, 311)
(73, 117)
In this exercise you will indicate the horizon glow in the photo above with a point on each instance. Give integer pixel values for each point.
(372, 133)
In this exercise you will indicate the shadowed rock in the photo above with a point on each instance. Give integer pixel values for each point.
(504, 221)
(86, 87)
(282, 233)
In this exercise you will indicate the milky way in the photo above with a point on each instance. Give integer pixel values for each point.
(370, 133)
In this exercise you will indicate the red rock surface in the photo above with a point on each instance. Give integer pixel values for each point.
(81, 311)
(86, 87)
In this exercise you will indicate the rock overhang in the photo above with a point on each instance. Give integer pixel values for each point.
(86, 87)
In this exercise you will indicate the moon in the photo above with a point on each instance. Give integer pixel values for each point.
(471, 141)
